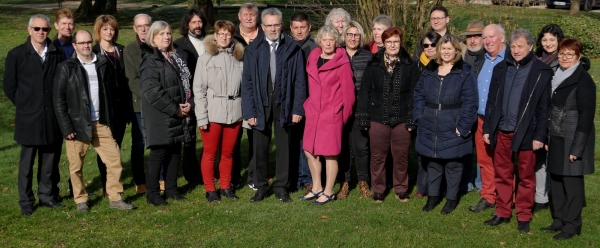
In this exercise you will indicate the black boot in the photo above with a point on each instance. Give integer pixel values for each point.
(432, 201)
(449, 206)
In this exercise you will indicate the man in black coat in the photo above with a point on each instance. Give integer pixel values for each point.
(28, 82)
(516, 121)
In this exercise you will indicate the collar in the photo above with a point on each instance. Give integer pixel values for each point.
(63, 43)
(271, 42)
(500, 55)
(526, 60)
(86, 63)
(43, 51)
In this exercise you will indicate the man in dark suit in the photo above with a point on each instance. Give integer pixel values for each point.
(273, 91)
(28, 82)
(190, 47)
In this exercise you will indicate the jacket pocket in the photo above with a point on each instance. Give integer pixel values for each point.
(338, 113)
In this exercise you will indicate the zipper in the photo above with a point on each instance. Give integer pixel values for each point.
(436, 117)
(527, 105)
(509, 92)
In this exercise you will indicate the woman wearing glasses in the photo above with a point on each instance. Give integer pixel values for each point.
(385, 103)
(572, 138)
(218, 105)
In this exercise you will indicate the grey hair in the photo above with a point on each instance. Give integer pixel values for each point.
(74, 40)
(248, 6)
(156, 27)
(140, 15)
(271, 11)
(40, 16)
(356, 25)
(330, 30)
(522, 33)
(384, 20)
(338, 13)
(499, 27)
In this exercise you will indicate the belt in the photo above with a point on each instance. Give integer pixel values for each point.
(443, 106)
(226, 96)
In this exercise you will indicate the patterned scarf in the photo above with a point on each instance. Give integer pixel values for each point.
(184, 74)
(389, 63)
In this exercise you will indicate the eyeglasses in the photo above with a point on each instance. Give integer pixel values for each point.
(223, 35)
(566, 55)
(437, 18)
(83, 43)
(278, 25)
(351, 35)
(143, 26)
(390, 43)
(427, 45)
(37, 29)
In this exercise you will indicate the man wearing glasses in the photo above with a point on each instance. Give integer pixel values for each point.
(132, 57)
(273, 91)
(438, 21)
(28, 82)
(85, 101)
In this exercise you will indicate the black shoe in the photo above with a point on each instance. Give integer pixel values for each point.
(539, 206)
(481, 205)
(259, 196)
(432, 201)
(449, 206)
(283, 196)
(329, 199)
(212, 196)
(378, 197)
(523, 226)
(563, 235)
(51, 204)
(57, 199)
(176, 196)
(27, 210)
(229, 194)
(551, 229)
(497, 220)
(157, 201)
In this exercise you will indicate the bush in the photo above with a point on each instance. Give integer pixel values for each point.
(583, 28)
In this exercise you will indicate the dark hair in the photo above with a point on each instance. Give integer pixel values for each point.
(432, 36)
(440, 8)
(227, 25)
(393, 31)
(300, 17)
(551, 29)
(185, 20)
(571, 44)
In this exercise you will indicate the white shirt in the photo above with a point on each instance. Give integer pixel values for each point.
(199, 45)
(271, 44)
(43, 54)
(92, 75)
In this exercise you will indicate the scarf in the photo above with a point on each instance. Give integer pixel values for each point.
(549, 58)
(560, 75)
(390, 63)
(423, 58)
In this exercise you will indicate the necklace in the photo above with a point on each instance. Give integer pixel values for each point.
(110, 58)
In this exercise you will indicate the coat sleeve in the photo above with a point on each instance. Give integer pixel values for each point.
(132, 66)
(200, 88)
(364, 98)
(586, 108)
(300, 84)
(420, 100)
(414, 77)
(347, 86)
(541, 110)
(248, 86)
(11, 81)
(61, 110)
(153, 90)
(469, 96)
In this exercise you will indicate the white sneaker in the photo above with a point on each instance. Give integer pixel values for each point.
(251, 186)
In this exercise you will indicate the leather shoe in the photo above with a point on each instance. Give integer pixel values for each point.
(551, 229)
(51, 204)
(481, 205)
(539, 206)
(259, 196)
(157, 201)
(212, 196)
(432, 201)
(283, 196)
(27, 210)
(563, 235)
(176, 196)
(497, 220)
(449, 206)
(378, 197)
(229, 194)
(523, 226)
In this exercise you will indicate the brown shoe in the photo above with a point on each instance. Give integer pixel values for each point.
(363, 186)
(344, 191)
(308, 188)
(140, 189)
(403, 197)
(161, 184)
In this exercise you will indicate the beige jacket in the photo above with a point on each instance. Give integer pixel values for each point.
(217, 84)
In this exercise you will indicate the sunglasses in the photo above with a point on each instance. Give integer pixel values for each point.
(43, 29)
(427, 45)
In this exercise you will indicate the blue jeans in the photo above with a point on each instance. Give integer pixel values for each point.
(478, 178)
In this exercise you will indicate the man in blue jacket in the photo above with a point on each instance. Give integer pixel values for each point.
(273, 91)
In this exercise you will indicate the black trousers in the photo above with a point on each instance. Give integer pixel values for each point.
(567, 200)
(167, 156)
(355, 141)
(48, 158)
(190, 165)
(436, 169)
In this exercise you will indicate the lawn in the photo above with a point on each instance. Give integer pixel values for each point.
(352, 222)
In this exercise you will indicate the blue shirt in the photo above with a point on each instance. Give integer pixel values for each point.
(67, 47)
(484, 78)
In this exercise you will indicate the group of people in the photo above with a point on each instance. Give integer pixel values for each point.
(324, 101)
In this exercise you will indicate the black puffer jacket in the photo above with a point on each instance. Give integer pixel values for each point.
(72, 96)
(359, 63)
(162, 92)
(387, 98)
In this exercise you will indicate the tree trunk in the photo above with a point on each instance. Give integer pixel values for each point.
(206, 6)
(574, 7)
(111, 7)
(99, 6)
(85, 9)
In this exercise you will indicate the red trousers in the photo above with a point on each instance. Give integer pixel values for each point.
(484, 160)
(225, 136)
(505, 177)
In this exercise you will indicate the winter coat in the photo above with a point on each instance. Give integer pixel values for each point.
(29, 84)
(330, 103)
(217, 84)
(290, 80)
(532, 122)
(123, 102)
(572, 132)
(388, 98)
(187, 52)
(72, 97)
(162, 92)
(359, 62)
(436, 132)
(132, 58)
(477, 58)
(238, 36)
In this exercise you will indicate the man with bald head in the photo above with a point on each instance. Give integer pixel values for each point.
(85, 99)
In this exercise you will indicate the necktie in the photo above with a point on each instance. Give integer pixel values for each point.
(273, 63)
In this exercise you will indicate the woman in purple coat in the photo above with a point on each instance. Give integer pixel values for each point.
(327, 109)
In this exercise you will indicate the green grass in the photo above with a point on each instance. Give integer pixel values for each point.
(346, 223)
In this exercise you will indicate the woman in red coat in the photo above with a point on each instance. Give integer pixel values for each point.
(331, 97)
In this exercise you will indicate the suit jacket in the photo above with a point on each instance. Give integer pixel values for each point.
(123, 100)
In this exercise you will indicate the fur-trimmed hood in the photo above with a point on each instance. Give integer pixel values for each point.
(236, 49)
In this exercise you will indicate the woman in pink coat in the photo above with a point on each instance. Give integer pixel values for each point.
(328, 107)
